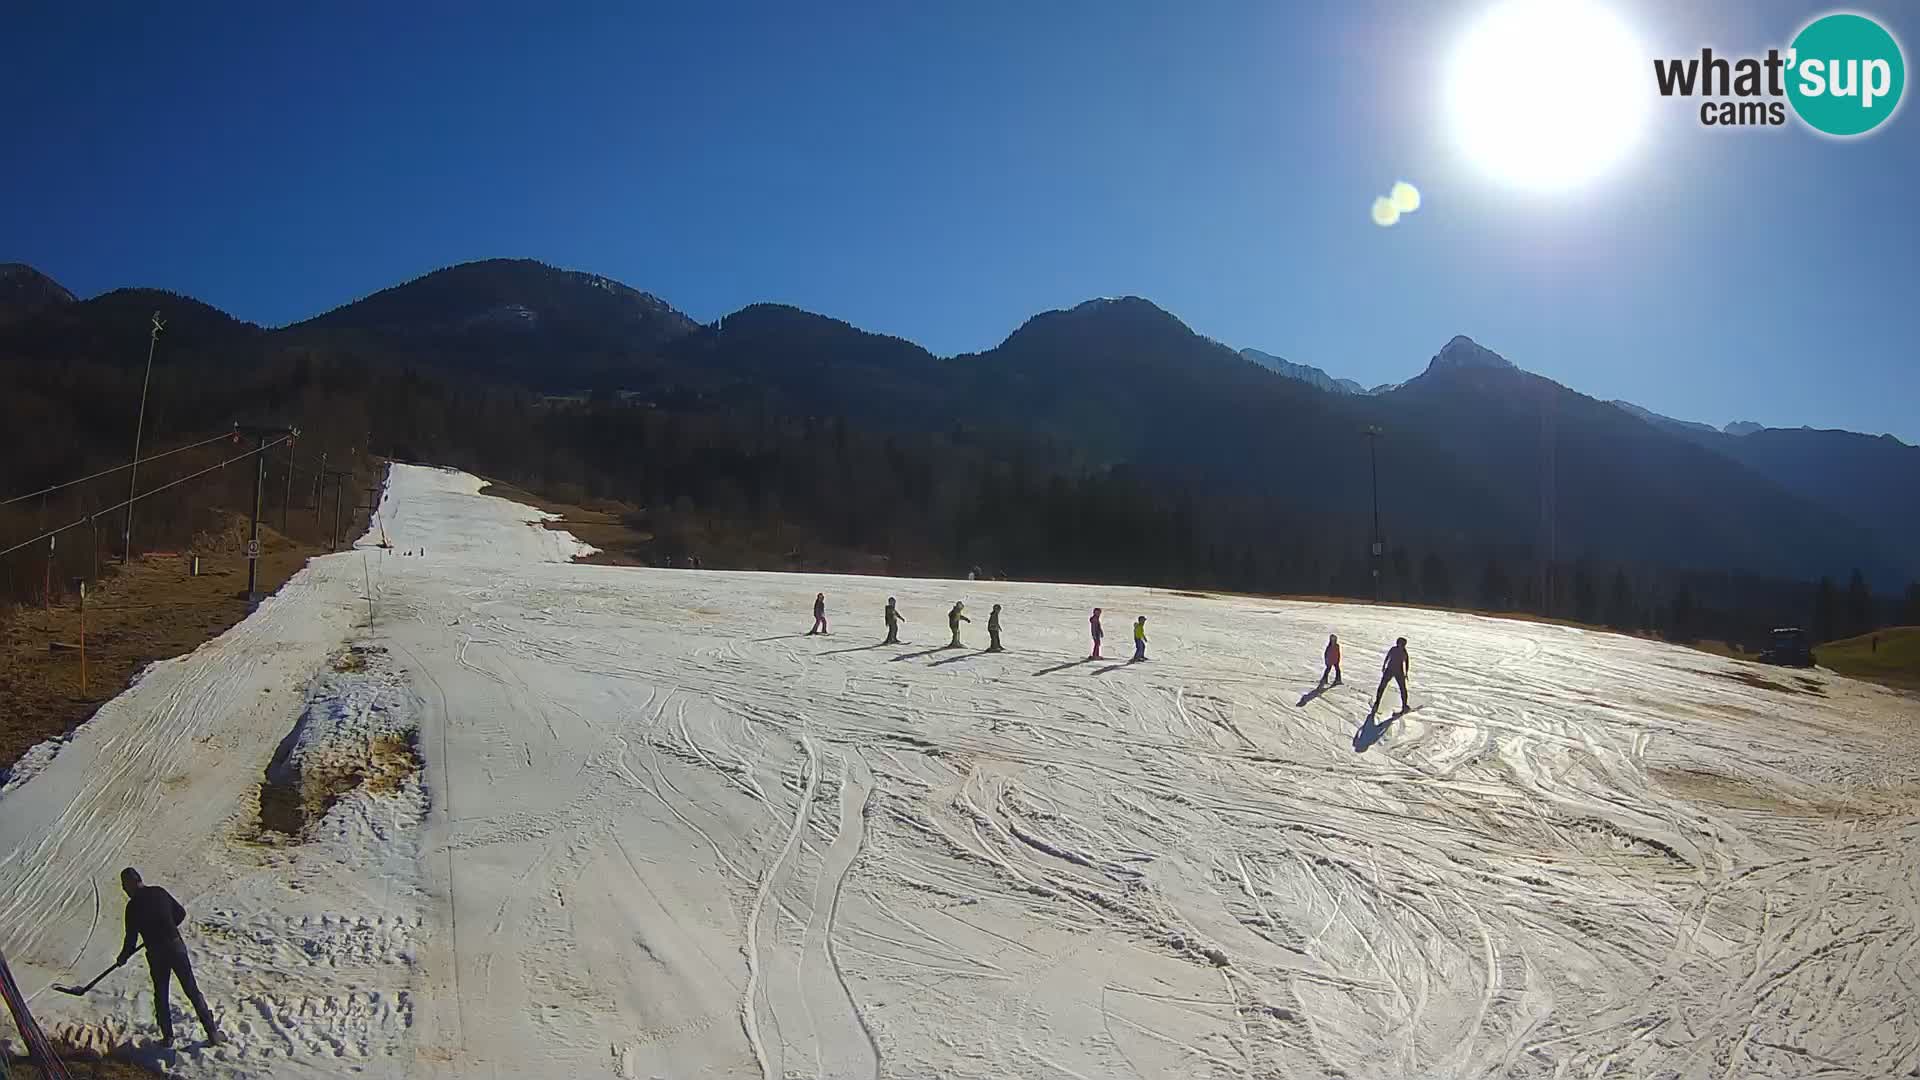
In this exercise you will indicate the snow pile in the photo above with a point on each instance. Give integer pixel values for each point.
(31, 763)
(357, 735)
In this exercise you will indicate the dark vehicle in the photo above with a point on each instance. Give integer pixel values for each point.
(1788, 647)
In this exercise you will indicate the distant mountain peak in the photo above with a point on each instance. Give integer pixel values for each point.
(515, 294)
(1464, 352)
(1743, 427)
(24, 290)
(1133, 313)
(1305, 373)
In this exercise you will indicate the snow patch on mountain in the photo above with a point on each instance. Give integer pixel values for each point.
(1305, 373)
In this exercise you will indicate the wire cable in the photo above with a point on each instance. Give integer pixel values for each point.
(115, 469)
(262, 448)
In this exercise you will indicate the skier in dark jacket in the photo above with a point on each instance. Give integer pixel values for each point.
(954, 619)
(993, 630)
(893, 624)
(819, 614)
(1093, 626)
(1393, 670)
(154, 916)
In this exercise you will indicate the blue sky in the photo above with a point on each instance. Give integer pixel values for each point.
(942, 172)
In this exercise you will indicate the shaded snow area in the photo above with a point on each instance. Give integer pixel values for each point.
(660, 832)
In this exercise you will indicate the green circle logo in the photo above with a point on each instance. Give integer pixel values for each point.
(1845, 74)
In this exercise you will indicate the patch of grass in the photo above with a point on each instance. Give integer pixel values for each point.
(1895, 662)
(604, 524)
(391, 759)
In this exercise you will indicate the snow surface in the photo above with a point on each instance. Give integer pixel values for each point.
(665, 834)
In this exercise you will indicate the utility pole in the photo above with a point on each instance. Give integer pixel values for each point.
(260, 435)
(339, 478)
(286, 503)
(133, 470)
(1379, 546)
(317, 478)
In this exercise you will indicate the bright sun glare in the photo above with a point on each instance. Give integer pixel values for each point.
(1548, 94)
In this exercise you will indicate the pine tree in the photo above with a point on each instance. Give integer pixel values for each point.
(1824, 604)
(1586, 603)
(1913, 605)
(1680, 617)
(1620, 608)
(1435, 586)
(1859, 605)
(1496, 592)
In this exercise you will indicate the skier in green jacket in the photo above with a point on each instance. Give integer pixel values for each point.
(954, 619)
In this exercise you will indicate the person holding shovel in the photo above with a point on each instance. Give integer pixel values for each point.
(154, 917)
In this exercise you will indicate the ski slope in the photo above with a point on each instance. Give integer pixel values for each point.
(662, 833)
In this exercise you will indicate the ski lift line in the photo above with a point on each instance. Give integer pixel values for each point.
(115, 469)
(122, 504)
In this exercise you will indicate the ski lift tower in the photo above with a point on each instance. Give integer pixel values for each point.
(261, 434)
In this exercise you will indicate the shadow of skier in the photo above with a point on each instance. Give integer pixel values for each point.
(918, 655)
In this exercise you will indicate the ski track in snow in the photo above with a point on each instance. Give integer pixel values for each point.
(665, 834)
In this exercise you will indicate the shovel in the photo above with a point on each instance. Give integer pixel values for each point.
(81, 991)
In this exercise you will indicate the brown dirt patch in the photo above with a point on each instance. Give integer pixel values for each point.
(1702, 785)
(604, 525)
(391, 760)
(1761, 682)
(83, 1065)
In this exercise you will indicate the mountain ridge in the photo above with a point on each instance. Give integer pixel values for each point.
(1128, 383)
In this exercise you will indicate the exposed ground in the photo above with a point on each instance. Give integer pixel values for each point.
(604, 527)
(661, 832)
(84, 1066)
(1894, 661)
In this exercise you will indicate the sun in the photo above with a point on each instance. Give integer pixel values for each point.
(1548, 95)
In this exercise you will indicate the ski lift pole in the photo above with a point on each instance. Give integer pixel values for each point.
(260, 435)
(286, 503)
(133, 470)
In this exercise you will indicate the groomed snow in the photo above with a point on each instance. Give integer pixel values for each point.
(666, 835)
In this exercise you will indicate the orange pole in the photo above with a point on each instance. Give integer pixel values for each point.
(83, 638)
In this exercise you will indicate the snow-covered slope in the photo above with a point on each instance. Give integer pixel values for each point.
(1660, 420)
(669, 835)
(1305, 373)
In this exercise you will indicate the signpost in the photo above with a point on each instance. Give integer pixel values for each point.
(82, 583)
